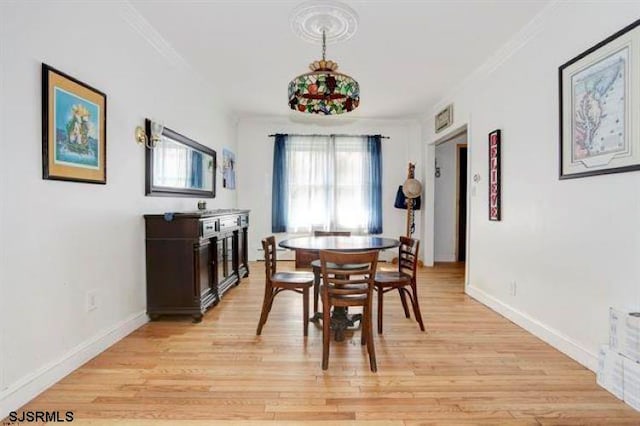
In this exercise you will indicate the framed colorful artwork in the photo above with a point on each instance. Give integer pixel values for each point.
(494, 176)
(74, 129)
(600, 107)
(228, 169)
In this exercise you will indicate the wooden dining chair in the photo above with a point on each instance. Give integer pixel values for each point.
(315, 264)
(341, 292)
(402, 280)
(276, 282)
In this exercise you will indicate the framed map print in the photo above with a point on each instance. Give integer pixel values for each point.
(74, 132)
(600, 108)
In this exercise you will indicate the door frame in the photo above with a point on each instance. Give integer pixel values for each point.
(429, 209)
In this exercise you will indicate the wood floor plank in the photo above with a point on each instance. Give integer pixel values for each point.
(471, 366)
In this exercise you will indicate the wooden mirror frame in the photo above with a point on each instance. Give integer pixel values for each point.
(163, 191)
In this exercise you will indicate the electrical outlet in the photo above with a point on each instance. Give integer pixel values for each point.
(513, 287)
(92, 300)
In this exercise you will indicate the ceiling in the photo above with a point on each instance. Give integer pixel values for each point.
(406, 55)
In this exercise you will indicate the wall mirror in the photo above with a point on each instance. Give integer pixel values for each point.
(179, 166)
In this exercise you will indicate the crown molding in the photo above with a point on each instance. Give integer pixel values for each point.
(147, 31)
(500, 56)
(143, 27)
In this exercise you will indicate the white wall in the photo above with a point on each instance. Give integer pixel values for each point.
(254, 170)
(571, 246)
(61, 239)
(445, 202)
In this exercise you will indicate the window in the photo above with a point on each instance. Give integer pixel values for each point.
(327, 183)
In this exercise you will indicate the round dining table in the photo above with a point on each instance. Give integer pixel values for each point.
(352, 244)
(340, 319)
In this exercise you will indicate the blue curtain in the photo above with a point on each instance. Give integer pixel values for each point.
(374, 148)
(195, 180)
(279, 213)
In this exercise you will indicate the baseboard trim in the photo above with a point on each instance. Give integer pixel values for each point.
(30, 386)
(549, 335)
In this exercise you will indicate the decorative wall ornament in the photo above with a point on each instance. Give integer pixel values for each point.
(228, 169)
(495, 190)
(74, 129)
(599, 104)
(444, 118)
(324, 90)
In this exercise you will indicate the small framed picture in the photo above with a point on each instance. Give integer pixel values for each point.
(444, 119)
(74, 129)
(599, 104)
(228, 169)
(494, 176)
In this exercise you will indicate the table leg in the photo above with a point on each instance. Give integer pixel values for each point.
(341, 320)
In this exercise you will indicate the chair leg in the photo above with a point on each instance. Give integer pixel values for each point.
(370, 348)
(316, 289)
(305, 310)
(266, 308)
(380, 299)
(403, 298)
(416, 306)
(366, 315)
(326, 331)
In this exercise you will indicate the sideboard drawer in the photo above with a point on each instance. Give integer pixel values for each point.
(228, 223)
(209, 227)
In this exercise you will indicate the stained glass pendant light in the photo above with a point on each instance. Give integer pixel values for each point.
(324, 90)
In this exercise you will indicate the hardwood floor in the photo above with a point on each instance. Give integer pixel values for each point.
(471, 366)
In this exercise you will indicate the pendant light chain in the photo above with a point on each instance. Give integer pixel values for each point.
(324, 44)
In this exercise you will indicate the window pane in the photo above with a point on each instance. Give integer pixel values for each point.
(328, 183)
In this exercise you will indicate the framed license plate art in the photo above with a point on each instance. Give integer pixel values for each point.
(600, 107)
(494, 175)
(444, 119)
(74, 131)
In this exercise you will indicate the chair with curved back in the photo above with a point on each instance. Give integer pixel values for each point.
(401, 280)
(341, 292)
(276, 282)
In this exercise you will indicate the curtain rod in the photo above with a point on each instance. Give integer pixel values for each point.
(319, 134)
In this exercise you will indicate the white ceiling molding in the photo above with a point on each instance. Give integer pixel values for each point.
(138, 22)
(147, 31)
(310, 19)
(433, 45)
(507, 50)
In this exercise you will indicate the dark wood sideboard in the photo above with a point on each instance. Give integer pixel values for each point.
(193, 258)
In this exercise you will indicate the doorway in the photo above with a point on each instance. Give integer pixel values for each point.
(450, 199)
(462, 203)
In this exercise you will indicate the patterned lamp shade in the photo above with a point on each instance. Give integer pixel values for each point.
(324, 91)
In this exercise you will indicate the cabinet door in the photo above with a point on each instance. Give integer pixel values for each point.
(204, 272)
(229, 255)
(220, 263)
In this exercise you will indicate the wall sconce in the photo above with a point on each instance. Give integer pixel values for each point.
(156, 130)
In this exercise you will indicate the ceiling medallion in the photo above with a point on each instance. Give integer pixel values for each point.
(323, 90)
